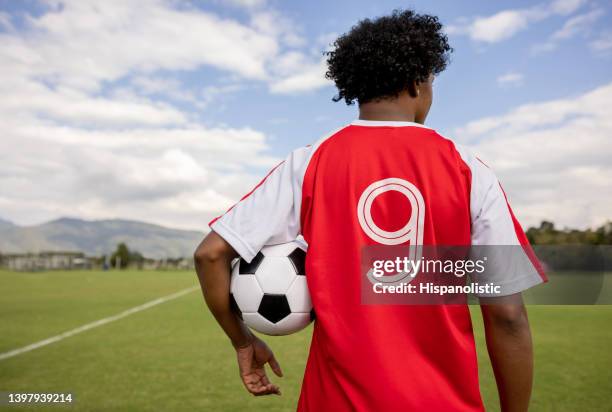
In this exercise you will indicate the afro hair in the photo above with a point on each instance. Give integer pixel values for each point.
(380, 58)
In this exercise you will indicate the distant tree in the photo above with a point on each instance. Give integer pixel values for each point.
(136, 258)
(121, 256)
(124, 257)
(547, 234)
(571, 249)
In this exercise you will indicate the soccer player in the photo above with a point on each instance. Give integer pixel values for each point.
(380, 357)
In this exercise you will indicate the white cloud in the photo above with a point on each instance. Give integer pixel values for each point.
(510, 79)
(498, 27)
(507, 23)
(249, 4)
(579, 24)
(164, 86)
(88, 113)
(565, 7)
(173, 89)
(273, 23)
(84, 43)
(65, 104)
(603, 43)
(49, 170)
(212, 93)
(5, 21)
(552, 157)
(300, 76)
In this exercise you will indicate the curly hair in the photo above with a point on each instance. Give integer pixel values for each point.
(382, 57)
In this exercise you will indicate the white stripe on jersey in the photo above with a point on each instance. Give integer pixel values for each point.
(277, 200)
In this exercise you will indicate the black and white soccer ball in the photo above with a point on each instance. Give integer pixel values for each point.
(270, 293)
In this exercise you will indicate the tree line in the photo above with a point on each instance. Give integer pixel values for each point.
(572, 249)
(548, 234)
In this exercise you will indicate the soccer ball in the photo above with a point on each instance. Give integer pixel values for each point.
(270, 294)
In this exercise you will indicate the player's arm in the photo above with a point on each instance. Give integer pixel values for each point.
(269, 214)
(513, 268)
(510, 349)
(213, 259)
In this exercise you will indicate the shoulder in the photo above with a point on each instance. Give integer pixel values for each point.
(469, 158)
(305, 153)
(299, 159)
(482, 178)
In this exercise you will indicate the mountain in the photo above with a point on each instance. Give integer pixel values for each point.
(5, 223)
(98, 237)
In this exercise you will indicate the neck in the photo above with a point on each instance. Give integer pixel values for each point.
(401, 108)
(386, 116)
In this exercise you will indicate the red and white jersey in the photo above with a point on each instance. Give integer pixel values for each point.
(380, 357)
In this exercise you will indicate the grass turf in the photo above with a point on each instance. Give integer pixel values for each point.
(174, 357)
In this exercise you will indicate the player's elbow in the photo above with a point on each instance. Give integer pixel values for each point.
(210, 251)
(200, 254)
(205, 254)
(511, 319)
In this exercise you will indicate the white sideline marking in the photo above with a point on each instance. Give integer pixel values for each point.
(95, 324)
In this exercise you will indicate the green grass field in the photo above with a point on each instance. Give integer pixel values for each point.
(173, 357)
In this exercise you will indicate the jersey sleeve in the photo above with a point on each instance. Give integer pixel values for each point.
(270, 213)
(497, 236)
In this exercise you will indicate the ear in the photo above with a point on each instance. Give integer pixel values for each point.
(413, 89)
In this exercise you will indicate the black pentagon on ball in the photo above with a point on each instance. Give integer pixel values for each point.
(234, 305)
(298, 259)
(246, 268)
(274, 307)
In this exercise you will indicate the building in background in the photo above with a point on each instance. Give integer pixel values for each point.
(45, 261)
(69, 260)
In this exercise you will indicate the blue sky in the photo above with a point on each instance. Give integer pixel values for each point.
(169, 111)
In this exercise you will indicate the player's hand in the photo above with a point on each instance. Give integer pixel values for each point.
(251, 361)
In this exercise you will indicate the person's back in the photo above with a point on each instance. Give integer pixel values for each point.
(384, 357)
(385, 180)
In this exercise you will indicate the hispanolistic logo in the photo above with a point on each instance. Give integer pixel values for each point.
(411, 233)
